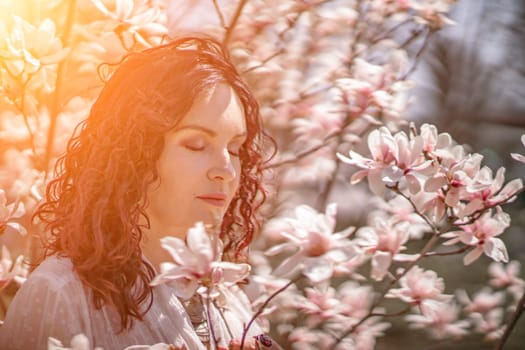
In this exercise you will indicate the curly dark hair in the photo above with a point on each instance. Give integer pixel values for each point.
(94, 206)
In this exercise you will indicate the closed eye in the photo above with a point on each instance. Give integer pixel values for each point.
(234, 153)
(195, 145)
(235, 148)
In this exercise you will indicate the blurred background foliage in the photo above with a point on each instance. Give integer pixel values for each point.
(470, 82)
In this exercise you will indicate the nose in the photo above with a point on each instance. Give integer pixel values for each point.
(223, 169)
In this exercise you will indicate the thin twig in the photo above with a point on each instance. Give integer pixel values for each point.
(416, 210)
(211, 329)
(512, 323)
(304, 153)
(58, 89)
(386, 33)
(394, 314)
(224, 319)
(263, 306)
(219, 14)
(264, 61)
(233, 22)
(26, 119)
(452, 252)
(428, 33)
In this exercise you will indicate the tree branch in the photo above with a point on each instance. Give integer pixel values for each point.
(233, 22)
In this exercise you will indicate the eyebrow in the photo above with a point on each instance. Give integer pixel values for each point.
(205, 130)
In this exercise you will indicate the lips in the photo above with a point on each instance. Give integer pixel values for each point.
(215, 199)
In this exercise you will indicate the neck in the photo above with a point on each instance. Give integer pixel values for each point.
(153, 251)
(151, 247)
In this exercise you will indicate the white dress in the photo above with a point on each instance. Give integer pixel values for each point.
(54, 303)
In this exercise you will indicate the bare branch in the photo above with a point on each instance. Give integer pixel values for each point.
(58, 89)
(233, 22)
(219, 14)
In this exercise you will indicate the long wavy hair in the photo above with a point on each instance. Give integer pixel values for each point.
(94, 206)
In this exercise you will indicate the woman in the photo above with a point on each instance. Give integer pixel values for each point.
(174, 138)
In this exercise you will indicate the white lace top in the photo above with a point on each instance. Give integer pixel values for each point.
(54, 303)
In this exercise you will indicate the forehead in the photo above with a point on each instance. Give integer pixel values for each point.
(219, 109)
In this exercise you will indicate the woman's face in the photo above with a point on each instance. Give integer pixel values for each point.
(199, 167)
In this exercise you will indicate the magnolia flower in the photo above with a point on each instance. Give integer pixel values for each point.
(453, 175)
(317, 248)
(394, 157)
(484, 300)
(363, 336)
(355, 299)
(384, 242)
(197, 266)
(440, 320)
(490, 324)
(399, 209)
(433, 13)
(12, 272)
(435, 143)
(419, 286)
(79, 342)
(486, 191)
(27, 47)
(140, 19)
(320, 305)
(303, 338)
(482, 236)
(505, 275)
(10, 211)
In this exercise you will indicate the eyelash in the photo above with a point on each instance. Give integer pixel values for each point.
(201, 148)
(194, 148)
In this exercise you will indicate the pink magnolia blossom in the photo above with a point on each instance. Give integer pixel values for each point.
(440, 319)
(363, 337)
(8, 212)
(18, 175)
(320, 305)
(12, 272)
(433, 13)
(303, 338)
(486, 191)
(355, 300)
(310, 169)
(143, 21)
(483, 301)
(482, 236)
(399, 209)
(197, 266)
(384, 242)
(419, 286)
(434, 143)
(490, 324)
(453, 175)
(29, 49)
(317, 248)
(505, 275)
(393, 158)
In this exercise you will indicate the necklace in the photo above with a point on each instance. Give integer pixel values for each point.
(197, 313)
